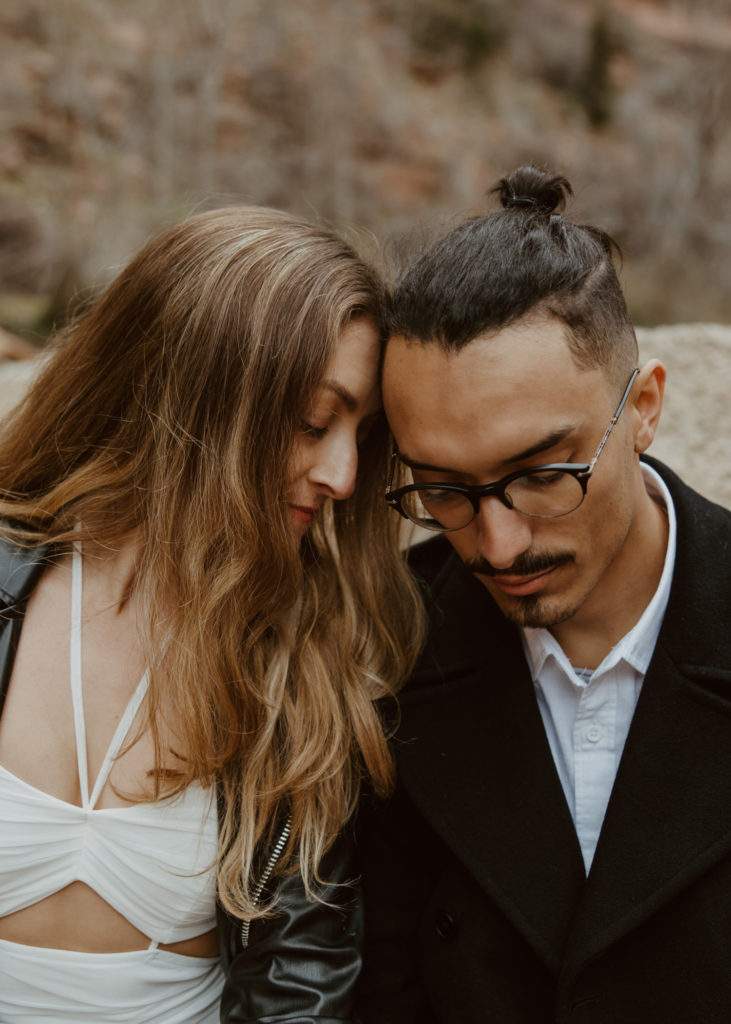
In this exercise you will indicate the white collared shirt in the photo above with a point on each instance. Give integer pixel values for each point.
(587, 715)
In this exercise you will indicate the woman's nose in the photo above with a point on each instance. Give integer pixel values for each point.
(336, 467)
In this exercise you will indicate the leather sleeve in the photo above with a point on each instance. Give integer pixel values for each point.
(300, 966)
(20, 570)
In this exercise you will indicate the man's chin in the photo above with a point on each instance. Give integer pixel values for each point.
(534, 611)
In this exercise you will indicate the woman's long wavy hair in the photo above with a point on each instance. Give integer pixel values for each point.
(170, 409)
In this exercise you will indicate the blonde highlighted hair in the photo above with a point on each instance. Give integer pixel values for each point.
(170, 409)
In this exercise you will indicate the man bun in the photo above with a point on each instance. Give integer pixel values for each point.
(534, 190)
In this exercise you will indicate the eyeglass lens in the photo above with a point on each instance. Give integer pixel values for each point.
(546, 495)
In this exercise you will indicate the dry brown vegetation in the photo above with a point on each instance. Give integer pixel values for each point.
(392, 116)
(122, 115)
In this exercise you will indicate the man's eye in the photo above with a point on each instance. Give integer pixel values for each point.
(434, 496)
(312, 431)
(541, 481)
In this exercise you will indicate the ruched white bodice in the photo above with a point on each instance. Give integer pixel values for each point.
(152, 862)
(148, 861)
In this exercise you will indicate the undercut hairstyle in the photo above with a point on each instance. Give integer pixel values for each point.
(168, 412)
(524, 260)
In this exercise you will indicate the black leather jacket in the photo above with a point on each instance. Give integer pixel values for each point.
(301, 965)
(297, 967)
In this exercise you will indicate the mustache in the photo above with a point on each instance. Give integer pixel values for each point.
(527, 564)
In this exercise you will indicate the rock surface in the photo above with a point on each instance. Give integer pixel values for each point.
(694, 436)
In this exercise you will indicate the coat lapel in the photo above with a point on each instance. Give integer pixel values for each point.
(473, 755)
(669, 816)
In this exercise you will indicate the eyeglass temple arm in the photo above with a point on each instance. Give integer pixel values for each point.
(610, 428)
(391, 471)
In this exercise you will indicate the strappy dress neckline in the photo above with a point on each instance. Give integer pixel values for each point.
(88, 800)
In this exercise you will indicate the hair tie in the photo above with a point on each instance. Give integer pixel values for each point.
(522, 201)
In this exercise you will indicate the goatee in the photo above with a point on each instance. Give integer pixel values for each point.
(534, 610)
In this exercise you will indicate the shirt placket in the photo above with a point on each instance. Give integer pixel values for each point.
(594, 759)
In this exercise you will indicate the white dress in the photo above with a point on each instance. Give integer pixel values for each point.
(153, 862)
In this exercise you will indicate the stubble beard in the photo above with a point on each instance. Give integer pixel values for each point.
(535, 611)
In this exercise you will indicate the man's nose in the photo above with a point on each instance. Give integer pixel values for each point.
(502, 533)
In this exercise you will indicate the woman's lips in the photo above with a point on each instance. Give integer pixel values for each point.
(301, 514)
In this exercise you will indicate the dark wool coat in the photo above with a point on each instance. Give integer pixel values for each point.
(477, 905)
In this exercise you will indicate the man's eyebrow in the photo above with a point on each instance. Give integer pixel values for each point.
(545, 444)
(349, 400)
(413, 464)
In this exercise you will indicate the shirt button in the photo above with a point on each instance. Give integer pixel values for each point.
(593, 732)
(446, 926)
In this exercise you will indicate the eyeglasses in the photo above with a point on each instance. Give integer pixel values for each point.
(545, 492)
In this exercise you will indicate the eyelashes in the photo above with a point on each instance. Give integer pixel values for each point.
(312, 431)
(362, 433)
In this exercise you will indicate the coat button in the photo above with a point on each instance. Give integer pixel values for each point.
(446, 926)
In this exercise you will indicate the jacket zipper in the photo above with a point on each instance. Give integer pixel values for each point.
(267, 874)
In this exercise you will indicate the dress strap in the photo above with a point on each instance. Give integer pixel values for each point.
(75, 658)
(77, 698)
(119, 734)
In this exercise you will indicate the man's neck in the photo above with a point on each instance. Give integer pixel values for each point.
(617, 604)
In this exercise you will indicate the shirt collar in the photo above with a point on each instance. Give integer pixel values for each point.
(637, 645)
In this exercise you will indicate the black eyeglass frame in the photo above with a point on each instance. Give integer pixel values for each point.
(581, 471)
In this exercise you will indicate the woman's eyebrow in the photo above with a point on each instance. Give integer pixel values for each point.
(349, 401)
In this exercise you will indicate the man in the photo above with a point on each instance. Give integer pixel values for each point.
(557, 848)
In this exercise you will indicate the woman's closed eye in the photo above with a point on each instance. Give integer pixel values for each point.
(310, 430)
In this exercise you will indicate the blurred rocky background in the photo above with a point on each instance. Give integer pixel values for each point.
(391, 118)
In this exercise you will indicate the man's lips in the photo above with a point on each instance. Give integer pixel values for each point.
(522, 586)
(529, 573)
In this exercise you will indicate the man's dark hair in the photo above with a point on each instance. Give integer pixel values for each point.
(523, 259)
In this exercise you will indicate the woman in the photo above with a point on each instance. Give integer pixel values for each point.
(199, 609)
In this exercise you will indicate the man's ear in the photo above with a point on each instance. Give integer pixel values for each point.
(647, 403)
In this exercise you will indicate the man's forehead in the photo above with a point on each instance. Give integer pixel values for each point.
(524, 354)
(536, 343)
(491, 404)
